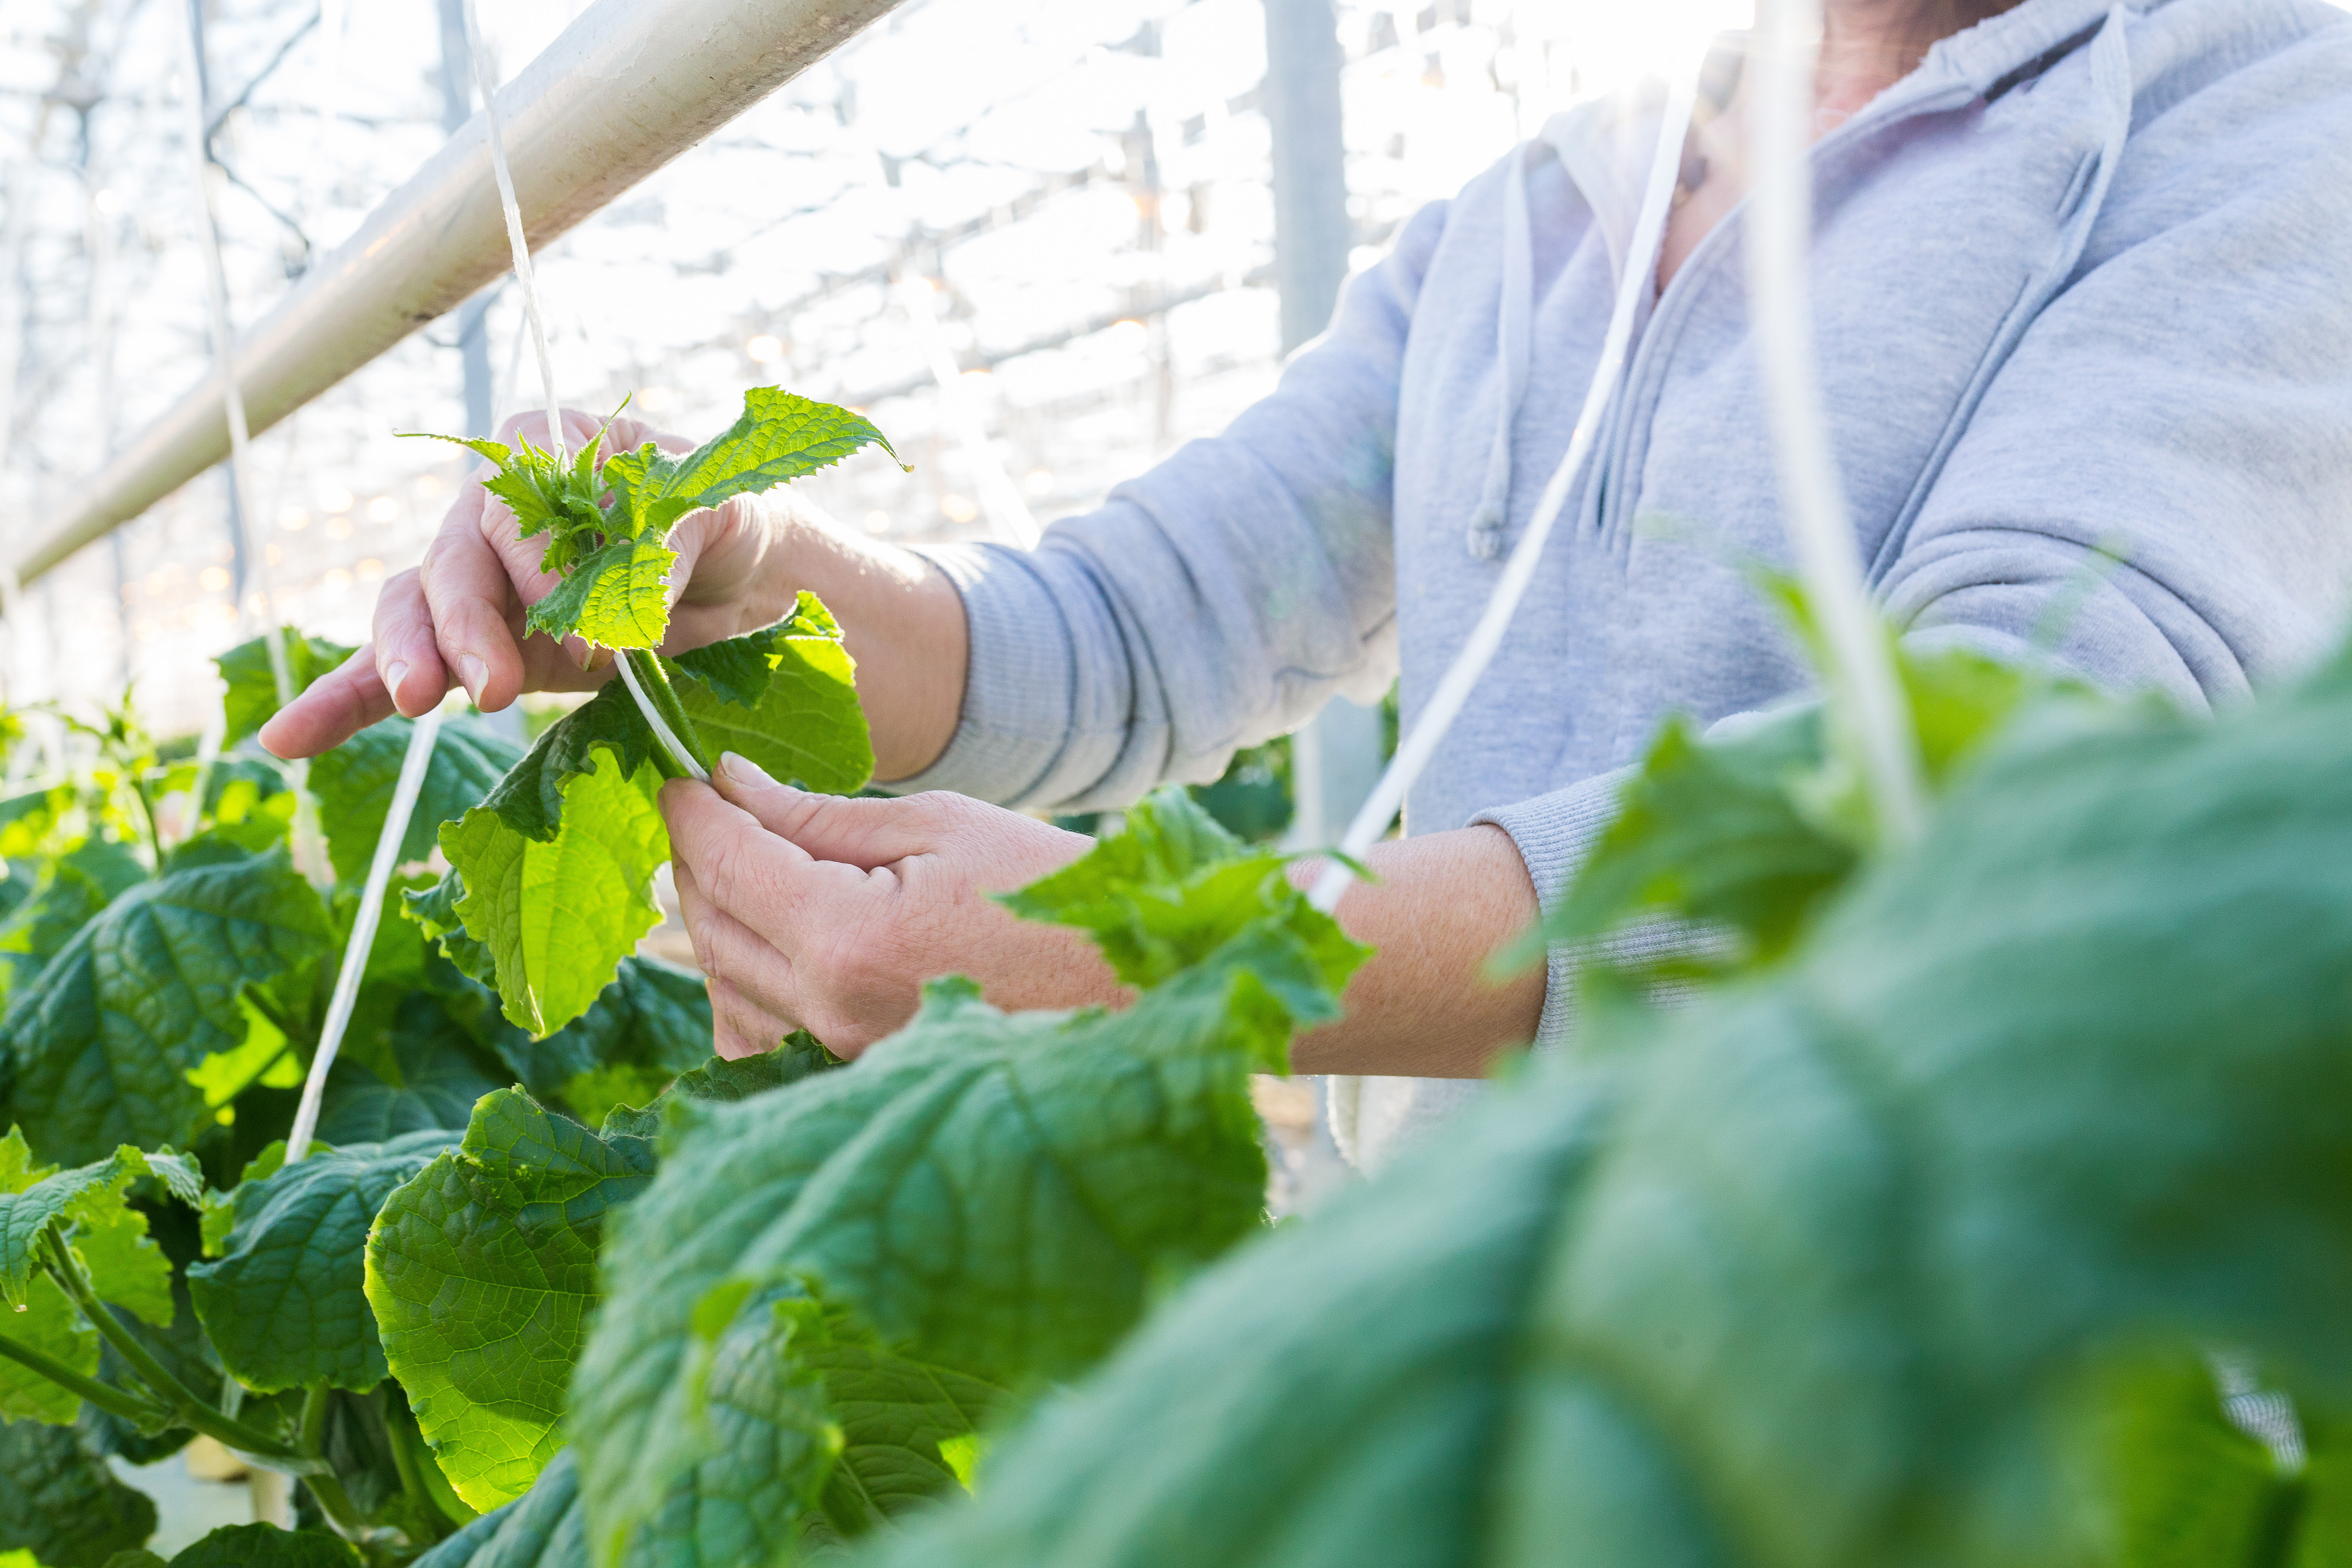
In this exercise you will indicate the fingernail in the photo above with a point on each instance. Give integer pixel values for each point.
(393, 675)
(743, 770)
(475, 672)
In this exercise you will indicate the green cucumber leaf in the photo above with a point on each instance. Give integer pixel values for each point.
(617, 595)
(285, 1303)
(354, 785)
(779, 436)
(84, 1207)
(435, 1082)
(252, 695)
(544, 1528)
(786, 697)
(72, 889)
(60, 1502)
(651, 1024)
(435, 911)
(267, 1546)
(44, 1320)
(102, 1041)
(530, 799)
(1832, 1271)
(558, 917)
(722, 1082)
(1098, 1153)
(482, 1274)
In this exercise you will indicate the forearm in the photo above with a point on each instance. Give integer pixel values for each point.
(1423, 1006)
(901, 620)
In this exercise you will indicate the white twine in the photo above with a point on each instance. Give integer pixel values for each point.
(413, 766)
(310, 853)
(515, 240)
(1864, 691)
(1380, 809)
(522, 249)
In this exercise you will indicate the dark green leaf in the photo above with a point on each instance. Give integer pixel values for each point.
(530, 799)
(786, 697)
(651, 1024)
(435, 911)
(435, 1082)
(59, 1502)
(482, 1273)
(73, 889)
(104, 1040)
(286, 1304)
(267, 1546)
(252, 694)
(354, 785)
(1090, 1154)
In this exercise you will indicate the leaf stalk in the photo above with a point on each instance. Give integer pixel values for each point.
(113, 1401)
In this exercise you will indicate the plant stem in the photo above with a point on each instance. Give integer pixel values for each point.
(113, 1401)
(647, 667)
(147, 811)
(420, 1474)
(183, 1407)
(333, 1500)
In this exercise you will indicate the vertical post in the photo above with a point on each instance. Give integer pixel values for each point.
(473, 316)
(1335, 759)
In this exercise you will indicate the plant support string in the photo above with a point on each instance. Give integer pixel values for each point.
(680, 754)
(413, 766)
(1380, 809)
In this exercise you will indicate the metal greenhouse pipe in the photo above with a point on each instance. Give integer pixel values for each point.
(627, 87)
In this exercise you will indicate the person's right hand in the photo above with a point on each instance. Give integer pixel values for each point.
(457, 620)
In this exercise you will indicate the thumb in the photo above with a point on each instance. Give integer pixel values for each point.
(857, 831)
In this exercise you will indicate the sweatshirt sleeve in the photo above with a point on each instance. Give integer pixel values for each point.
(1214, 601)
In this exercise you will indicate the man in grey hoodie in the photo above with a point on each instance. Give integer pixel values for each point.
(2083, 282)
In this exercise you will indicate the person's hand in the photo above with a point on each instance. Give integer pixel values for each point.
(824, 913)
(457, 620)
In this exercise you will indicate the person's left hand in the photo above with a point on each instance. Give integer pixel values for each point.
(827, 914)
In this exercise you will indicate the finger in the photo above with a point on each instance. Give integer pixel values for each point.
(859, 831)
(739, 1029)
(338, 705)
(737, 864)
(727, 950)
(467, 591)
(407, 660)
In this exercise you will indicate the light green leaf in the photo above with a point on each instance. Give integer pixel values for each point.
(354, 785)
(786, 697)
(994, 1195)
(47, 1322)
(617, 595)
(435, 911)
(559, 917)
(779, 436)
(267, 1546)
(482, 1273)
(286, 1303)
(252, 696)
(84, 1207)
(1825, 1273)
(530, 799)
(60, 1502)
(102, 1041)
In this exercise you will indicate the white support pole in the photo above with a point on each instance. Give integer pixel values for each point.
(628, 87)
(1866, 698)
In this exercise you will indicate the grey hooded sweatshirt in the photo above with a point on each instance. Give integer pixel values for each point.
(2083, 285)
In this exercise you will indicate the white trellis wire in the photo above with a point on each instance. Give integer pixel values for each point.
(404, 794)
(1462, 676)
(1866, 698)
(521, 247)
